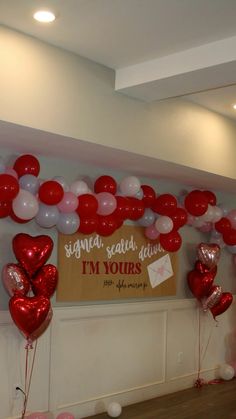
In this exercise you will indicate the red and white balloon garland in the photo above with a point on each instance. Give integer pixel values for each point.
(72, 208)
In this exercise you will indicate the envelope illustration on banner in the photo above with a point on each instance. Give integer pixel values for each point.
(160, 270)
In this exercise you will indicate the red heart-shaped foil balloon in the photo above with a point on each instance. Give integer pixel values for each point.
(199, 266)
(15, 279)
(29, 313)
(200, 283)
(209, 254)
(32, 252)
(38, 332)
(223, 304)
(45, 281)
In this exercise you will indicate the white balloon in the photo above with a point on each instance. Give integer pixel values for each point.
(130, 186)
(114, 410)
(218, 214)
(68, 223)
(226, 372)
(198, 222)
(217, 240)
(29, 183)
(209, 214)
(164, 224)
(225, 210)
(215, 233)
(232, 218)
(79, 187)
(25, 205)
(47, 216)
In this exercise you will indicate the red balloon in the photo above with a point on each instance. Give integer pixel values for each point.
(105, 184)
(201, 267)
(15, 279)
(51, 192)
(149, 196)
(196, 203)
(88, 225)
(32, 252)
(223, 225)
(224, 303)
(211, 198)
(123, 208)
(5, 208)
(106, 225)
(179, 218)
(45, 281)
(9, 187)
(88, 205)
(27, 165)
(229, 237)
(41, 329)
(171, 242)
(200, 283)
(165, 204)
(136, 208)
(29, 313)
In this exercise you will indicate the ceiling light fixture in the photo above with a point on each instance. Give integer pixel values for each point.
(234, 106)
(44, 16)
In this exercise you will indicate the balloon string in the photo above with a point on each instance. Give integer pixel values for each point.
(200, 382)
(208, 341)
(28, 375)
(199, 344)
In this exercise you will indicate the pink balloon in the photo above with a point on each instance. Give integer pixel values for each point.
(37, 415)
(151, 232)
(12, 172)
(69, 202)
(206, 227)
(106, 203)
(65, 415)
(15, 279)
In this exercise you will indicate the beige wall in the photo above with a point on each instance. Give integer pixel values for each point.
(53, 90)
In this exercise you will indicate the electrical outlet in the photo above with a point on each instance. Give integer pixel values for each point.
(17, 392)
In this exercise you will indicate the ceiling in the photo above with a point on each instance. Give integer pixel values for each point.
(158, 48)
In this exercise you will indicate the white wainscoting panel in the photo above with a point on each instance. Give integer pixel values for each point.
(182, 340)
(125, 352)
(106, 350)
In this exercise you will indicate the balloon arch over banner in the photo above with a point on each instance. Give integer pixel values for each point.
(71, 208)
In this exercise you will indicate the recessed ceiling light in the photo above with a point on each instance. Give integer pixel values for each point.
(44, 16)
(234, 106)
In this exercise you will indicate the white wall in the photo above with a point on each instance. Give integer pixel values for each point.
(53, 90)
(116, 352)
(125, 351)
